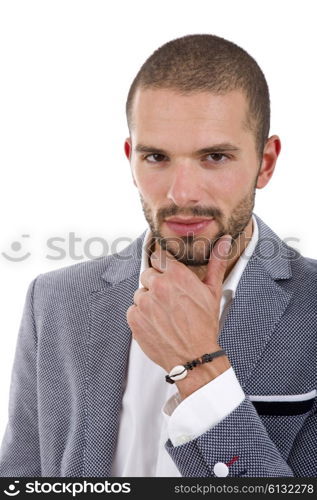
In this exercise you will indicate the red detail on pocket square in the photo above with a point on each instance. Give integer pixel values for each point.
(232, 461)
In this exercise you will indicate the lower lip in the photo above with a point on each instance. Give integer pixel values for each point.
(196, 228)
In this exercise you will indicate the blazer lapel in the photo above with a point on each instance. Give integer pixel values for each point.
(259, 303)
(107, 357)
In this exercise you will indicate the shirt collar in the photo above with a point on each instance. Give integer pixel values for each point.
(231, 282)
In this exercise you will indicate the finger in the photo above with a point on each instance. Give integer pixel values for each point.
(130, 315)
(147, 276)
(218, 261)
(139, 292)
(163, 260)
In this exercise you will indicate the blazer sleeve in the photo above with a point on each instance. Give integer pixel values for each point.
(20, 448)
(241, 442)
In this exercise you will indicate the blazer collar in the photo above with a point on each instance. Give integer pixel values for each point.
(124, 264)
(272, 253)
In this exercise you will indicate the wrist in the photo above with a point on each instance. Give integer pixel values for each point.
(202, 375)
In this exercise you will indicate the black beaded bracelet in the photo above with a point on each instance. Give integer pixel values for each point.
(180, 371)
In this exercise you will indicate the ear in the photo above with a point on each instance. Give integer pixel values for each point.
(271, 151)
(128, 148)
(128, 153)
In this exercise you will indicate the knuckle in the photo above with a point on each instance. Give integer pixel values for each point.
(130, 314)
(159, 287)
(156, 282)
(142, 301)
(145, 275)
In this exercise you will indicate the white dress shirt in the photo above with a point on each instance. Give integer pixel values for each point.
(151, 408)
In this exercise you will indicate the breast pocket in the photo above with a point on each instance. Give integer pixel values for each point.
(295, 404)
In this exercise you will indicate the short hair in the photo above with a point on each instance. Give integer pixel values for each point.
(206, 62)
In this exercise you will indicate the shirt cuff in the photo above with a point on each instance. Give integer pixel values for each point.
(203, 409)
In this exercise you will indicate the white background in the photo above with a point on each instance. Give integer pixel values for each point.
(66, 67)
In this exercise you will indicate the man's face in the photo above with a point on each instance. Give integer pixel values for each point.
(192, 157)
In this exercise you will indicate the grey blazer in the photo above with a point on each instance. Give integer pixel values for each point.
(71, 361)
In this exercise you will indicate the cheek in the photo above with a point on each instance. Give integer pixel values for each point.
(227, 188)
(150, 185)
(223, 184)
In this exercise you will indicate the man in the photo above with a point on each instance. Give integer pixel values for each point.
(115, 370)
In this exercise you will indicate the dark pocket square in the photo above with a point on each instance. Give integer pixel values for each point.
(283, 407)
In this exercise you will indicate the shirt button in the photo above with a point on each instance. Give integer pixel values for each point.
(221, 469)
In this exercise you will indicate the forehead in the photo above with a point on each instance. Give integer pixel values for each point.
(167, 114)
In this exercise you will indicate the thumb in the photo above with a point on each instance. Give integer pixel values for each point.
(217, 264)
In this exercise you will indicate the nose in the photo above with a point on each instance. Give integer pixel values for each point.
(186, 186)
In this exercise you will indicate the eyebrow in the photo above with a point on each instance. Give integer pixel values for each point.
(216, 148)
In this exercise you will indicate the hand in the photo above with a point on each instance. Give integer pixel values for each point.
(175, 317)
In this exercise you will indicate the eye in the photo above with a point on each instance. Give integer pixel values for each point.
(155, 158)
(217, 157)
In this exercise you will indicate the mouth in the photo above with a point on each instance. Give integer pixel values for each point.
(182, 226)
